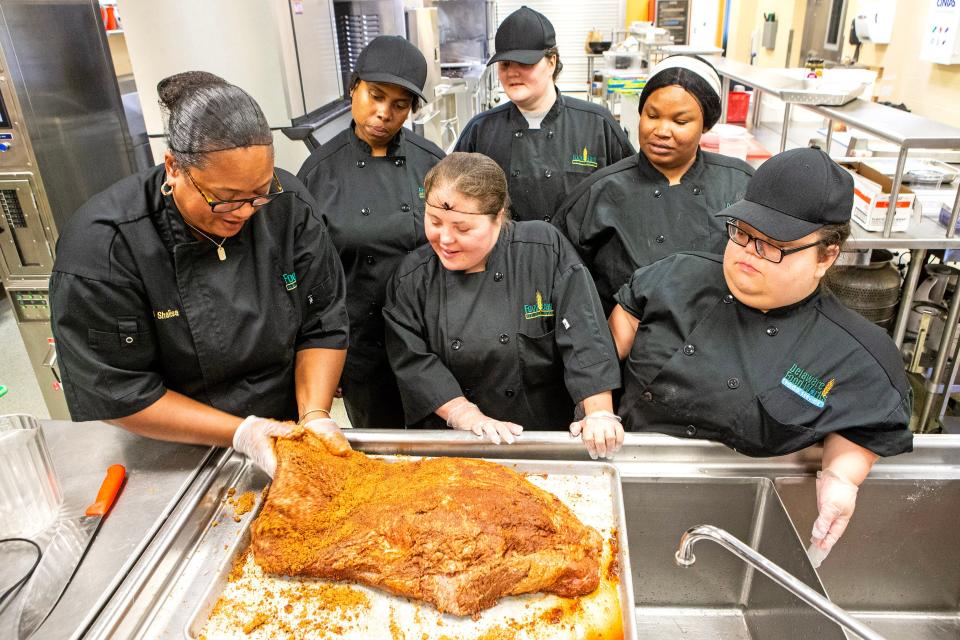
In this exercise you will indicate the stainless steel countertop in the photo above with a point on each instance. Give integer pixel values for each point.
(166, 481)
(899, 127)
(158, 474)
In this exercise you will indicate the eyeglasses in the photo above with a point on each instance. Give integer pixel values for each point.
(223, 206)
(765, 250)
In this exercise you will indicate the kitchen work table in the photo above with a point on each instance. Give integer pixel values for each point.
(158, 475)
(905, 518)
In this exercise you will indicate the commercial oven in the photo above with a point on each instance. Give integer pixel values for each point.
(63, 138)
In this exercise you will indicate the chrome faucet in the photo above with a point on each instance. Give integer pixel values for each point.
(737, 547)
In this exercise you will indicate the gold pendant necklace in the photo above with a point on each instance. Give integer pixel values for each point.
(221, 252)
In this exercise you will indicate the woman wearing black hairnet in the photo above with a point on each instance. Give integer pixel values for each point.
(197, 295)
(661, 200)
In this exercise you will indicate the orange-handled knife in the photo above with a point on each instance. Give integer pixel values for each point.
(63, 555)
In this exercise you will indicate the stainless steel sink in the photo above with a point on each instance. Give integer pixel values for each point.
(897, 567)
(719, 596)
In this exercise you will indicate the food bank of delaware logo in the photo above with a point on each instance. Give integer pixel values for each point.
(807, 386)
(584, 159)
(539, 310)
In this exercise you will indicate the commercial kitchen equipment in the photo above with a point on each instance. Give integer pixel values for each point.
(668, 486)
(63, 138)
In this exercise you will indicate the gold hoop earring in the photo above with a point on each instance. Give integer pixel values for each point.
(166, 188)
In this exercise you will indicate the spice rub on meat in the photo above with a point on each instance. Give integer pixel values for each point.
(457, 533)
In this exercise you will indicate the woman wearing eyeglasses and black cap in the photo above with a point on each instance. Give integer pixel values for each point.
(661, 200)
(368, 182)
(748, 349)
(546, 143)
(204, 290)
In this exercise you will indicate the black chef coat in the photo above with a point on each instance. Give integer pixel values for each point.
(704, 365)
(543, 165)
(524, 339)
(140, 306)
(374, 212)
(628, 216)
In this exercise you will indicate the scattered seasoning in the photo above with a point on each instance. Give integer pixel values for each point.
(258, 620)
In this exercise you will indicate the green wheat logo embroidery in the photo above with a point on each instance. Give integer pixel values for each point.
(584, 159)
(540, 310)
(807, 386)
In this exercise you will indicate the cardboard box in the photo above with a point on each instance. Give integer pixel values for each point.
(871, 197)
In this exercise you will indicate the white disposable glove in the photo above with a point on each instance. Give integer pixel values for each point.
(329, 432)
(836, 500)
(467, 417)
(601, 431)
(254, 439)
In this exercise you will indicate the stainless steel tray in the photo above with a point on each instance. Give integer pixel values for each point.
(818, 92)
(205, 575)
(915, 170)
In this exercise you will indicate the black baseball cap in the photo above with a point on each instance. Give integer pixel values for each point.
(394, 60)
(523, 37)
(793, 194)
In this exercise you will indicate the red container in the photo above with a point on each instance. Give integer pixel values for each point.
(738, 104)
(111, 23)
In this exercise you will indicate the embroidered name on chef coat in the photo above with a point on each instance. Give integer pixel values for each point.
(806, 385)
(166, 315)
(584, 159)
(539, 310)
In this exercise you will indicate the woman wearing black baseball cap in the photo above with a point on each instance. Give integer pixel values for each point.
(748, 349)
(661, 200)
(545, 142)
(368, 182)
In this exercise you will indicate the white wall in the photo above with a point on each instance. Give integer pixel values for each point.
(244, 41)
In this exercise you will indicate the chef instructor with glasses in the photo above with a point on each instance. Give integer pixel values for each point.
(749, 349)
(201, 301)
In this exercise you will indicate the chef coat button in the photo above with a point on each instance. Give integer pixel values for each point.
(361, 164)
(370, 259)
(689, 349)
(518, 134)
(550, 133)
(727, 299)
(546, 218)
(456, 344)
(365, 211)
(128, 339)
(398, 162)
(379, 344)
(404, 207)
(660, 239)
(497, 277)
(547, 173)
(504, 338)
(772, 331)
(373, 304)
(646, 396)
(657, 193)
(733, 383)
(467, 392)
(508, 392)
(515, 173)
(691, 430)
(697, 191)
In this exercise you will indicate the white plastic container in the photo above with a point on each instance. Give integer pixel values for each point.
(30, 495)
(732, 140)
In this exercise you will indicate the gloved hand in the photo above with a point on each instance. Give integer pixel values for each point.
(329, 432)
(467, 417)
(836, 500)
(601, 431)
(254, 439)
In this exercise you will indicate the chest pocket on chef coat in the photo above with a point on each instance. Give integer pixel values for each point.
(539, 361)
(776, 422)
(125, 351)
